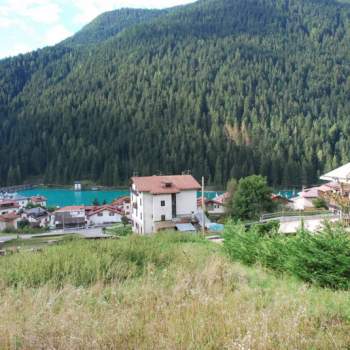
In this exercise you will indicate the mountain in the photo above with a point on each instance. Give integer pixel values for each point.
(111, 23)
(223, 88)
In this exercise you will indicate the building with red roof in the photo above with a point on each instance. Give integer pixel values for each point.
(104, 215)
(9, 206)
(9, 221)
(161, 201)
(123, 205)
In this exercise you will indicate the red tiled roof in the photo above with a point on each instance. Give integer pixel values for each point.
(8, 202)
(38, 199)
(165, 184)
(102, 208)
(9, 217)
(70, 208)
(121, 200)
(222, 198)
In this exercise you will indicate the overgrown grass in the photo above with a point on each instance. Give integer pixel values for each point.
(322, 258)
(179, 292)
(84, 263)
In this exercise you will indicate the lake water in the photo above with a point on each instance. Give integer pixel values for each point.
(62, 197)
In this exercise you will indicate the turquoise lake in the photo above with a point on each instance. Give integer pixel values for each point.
(57, 197)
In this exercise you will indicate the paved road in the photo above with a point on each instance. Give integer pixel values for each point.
(89, 233)
(311, 224)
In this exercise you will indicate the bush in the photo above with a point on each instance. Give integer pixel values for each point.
(119, 230)
(319, 203)
(323, 258)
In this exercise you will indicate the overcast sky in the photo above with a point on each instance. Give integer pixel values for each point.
(26, 25)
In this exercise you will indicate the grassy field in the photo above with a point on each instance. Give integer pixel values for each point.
(165, 292)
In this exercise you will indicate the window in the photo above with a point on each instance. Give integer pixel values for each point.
(100, 214)
(111, 214)
(162, 203)
(163, 217)
(141, 216)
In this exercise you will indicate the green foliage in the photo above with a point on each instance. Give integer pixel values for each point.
(227, 88)
(320, 203)
(125, 220)
(82, 263)
(120, 230)
(322, 258)
(252, 197)
(95, 202)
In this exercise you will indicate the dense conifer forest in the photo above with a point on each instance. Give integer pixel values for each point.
(224, 88)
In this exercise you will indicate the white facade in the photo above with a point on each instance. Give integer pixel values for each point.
(104, 217)
(301, 203)
(148, 209)
(9, 210)
(217, 209)
(13, 224)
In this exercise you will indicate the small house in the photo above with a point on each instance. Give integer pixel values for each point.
(9, 206)
(69, 217)
(9, 221)
(104, 215)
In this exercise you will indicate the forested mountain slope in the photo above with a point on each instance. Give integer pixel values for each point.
(221, 87)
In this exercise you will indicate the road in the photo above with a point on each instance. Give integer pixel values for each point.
(87, 233)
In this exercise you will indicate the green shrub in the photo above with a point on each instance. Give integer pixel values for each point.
(322, 258)
(319, 203)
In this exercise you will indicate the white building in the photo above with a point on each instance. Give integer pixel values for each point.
(123, 205)
(157, 200)
(305, 199)
(8, 206)
(69, 217)
(38, 200)
(104, 215)
(9, 221)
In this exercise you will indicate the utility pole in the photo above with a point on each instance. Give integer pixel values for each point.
(203, 208)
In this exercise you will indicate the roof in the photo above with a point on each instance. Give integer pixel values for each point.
(70, 208)
(121, 200)
(341, 174)
(310, 192)
(36, 212)
(165, 184)
(222, 198)
(38, 199)
(103, 208)
(329, 187)
(9, 217)
(9, 202)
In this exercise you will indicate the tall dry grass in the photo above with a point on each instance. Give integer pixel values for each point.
(198, 300)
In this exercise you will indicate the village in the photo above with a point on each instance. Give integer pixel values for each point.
(158, 203)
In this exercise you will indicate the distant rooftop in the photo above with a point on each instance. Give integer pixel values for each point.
(165, 184)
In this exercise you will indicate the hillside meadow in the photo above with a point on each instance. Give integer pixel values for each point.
(169, 291)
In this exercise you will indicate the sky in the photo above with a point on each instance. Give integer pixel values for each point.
(26, 25)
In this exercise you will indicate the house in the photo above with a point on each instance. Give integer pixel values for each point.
(37, 217)
(69, 217)
(281, 201)
(9, 206)
(214, 207)
(304, 200)
(22, 201)
(9, 221)
(38, 201)
(123, 205)
(340, 175)
(103, 215)
(159, 202)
